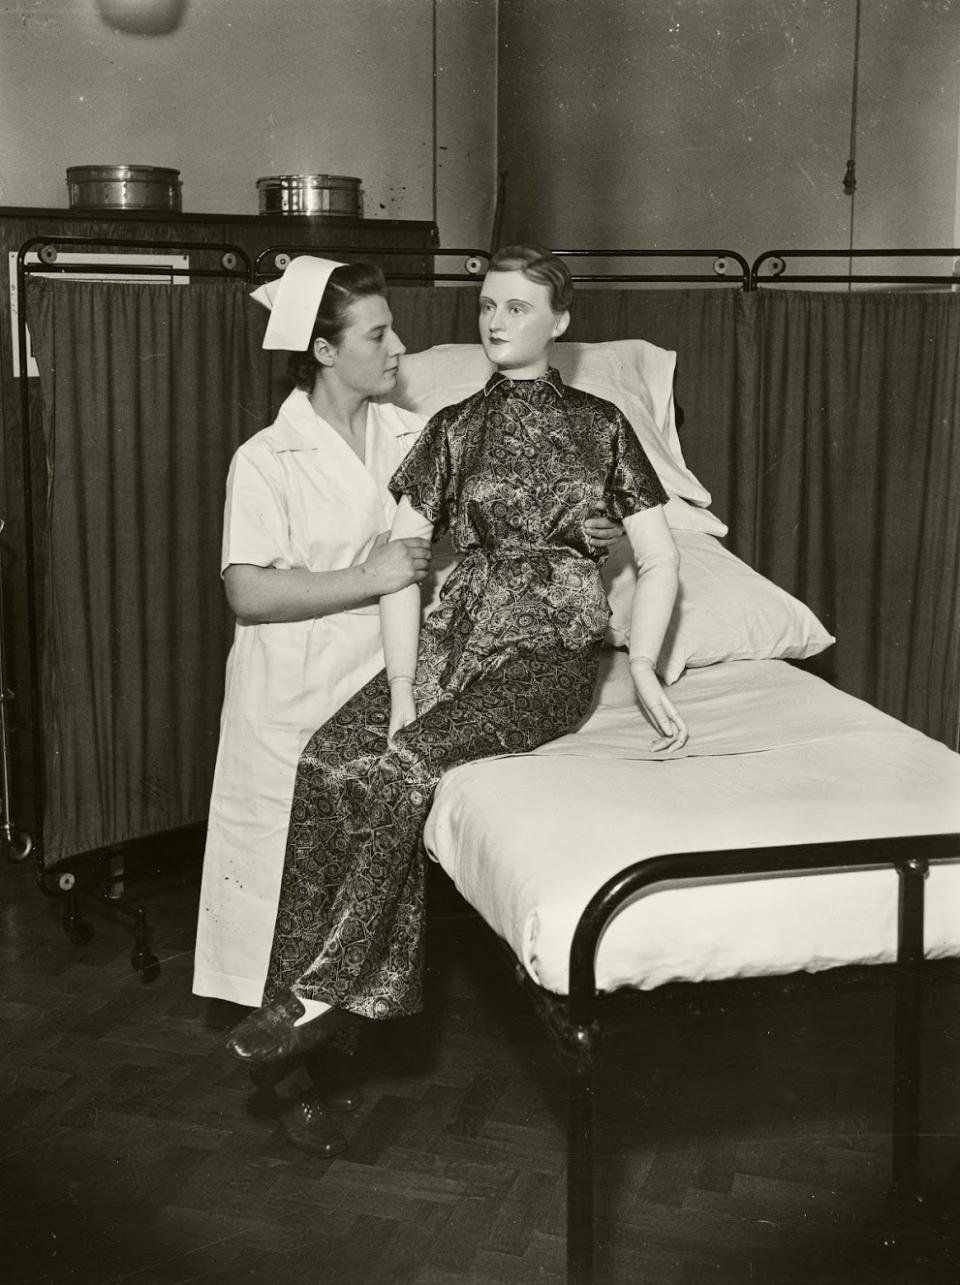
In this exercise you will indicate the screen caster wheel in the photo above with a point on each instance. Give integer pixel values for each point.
(18, 843)
(79, 931)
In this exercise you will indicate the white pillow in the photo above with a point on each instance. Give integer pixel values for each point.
(725, 610)
(633, 374)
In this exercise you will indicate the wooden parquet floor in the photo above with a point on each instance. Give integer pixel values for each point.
(745, 1142)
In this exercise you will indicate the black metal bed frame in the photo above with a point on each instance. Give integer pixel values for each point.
(574, 1019)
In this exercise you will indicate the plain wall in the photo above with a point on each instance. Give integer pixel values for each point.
(727, 123)
(466, 121)
(243, 89)
(688, 123)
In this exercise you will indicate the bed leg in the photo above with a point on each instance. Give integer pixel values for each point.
(904, 1197)
(581, 1047)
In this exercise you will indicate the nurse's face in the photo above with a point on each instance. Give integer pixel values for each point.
(517, 324)
(366, 354)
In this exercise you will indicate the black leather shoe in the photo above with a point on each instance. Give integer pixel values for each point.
(266, 1076)
(331, 1081)
(308, 1126)
(269, 1035)
(342, 1098)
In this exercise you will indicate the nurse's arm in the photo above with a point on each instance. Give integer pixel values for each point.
(269, 595)
(400, 624)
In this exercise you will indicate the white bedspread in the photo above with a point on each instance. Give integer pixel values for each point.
(776, 756)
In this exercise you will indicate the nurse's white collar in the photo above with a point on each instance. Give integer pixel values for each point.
(295, 428)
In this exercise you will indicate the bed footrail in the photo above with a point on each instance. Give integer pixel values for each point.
(577, 1020)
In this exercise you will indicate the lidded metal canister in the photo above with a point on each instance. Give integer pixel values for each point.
(329, 195)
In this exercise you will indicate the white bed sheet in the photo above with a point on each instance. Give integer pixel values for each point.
(776, 756)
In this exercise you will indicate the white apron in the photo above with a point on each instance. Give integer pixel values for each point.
(297, 497)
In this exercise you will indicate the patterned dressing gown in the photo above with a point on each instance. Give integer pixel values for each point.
(507, 661)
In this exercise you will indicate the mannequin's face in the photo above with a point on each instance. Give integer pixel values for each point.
(518, 324)
(365, 356)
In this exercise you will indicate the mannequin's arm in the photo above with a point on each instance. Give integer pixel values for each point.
(400, 624)
(658, 565)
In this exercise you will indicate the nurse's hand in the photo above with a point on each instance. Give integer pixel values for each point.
(403, 708)
(601, 532)
(394, 564)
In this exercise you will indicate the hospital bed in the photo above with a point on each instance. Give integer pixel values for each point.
(800, 830)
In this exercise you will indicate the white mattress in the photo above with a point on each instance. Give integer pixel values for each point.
(776, 756)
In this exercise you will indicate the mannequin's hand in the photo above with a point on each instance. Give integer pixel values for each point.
(403, 709)
(658, 708)
(394, 564)
(601, 532)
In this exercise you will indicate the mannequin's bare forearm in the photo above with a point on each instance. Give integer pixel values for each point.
(658, 564)
(400, 626)
(400, 612)
(652, 607)
(400, 629)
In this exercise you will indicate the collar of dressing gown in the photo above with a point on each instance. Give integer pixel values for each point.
(298, 427)
(550, 378)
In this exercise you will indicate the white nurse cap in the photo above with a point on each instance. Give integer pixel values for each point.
(293, 300)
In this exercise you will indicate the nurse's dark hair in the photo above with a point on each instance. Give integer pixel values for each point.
(538, 265)
(345, 286)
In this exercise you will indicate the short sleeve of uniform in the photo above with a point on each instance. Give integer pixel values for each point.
(426, 476)
(633, 483)
(255, 522)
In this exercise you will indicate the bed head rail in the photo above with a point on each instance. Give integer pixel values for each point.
(774, 267)
(59, 254)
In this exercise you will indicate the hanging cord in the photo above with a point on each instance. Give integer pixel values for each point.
(433, 122)
(850, 177)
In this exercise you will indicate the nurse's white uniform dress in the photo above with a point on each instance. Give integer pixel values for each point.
(297, 497)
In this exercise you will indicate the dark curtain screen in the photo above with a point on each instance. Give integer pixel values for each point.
(824, 424)
(147, 391)
(858, 463)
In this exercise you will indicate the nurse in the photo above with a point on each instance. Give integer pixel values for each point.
(304, 563)
(305, 560)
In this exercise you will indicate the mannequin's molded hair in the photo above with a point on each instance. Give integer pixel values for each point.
(538, 265)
